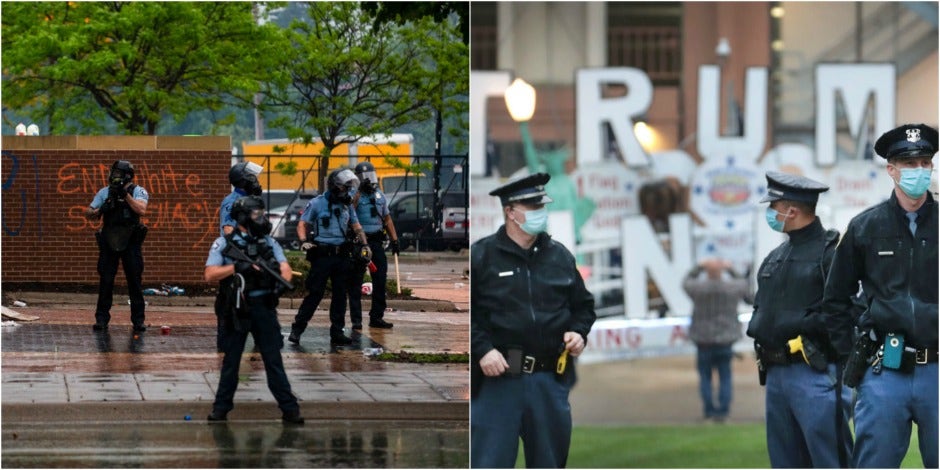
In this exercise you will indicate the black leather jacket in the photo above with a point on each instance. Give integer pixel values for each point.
(526, 298)
(898, 273)
(790, 284)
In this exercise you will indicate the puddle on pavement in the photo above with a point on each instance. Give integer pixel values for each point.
(247, 444)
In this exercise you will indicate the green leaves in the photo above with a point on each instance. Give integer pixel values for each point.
(338, 74)
(135, 62)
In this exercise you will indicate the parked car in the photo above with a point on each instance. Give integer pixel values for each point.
(286, 207)
(456, 228)
(413, 216)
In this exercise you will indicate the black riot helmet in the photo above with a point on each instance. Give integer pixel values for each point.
(340, 184)
(122, 172)
(244, 176)
(248, 211)
(366, 174)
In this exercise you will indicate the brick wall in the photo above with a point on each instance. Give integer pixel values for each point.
(48, 181)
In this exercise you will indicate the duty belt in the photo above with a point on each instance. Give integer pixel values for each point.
(329, 250)
(532, 364)
(920, 356)
(780, 357)
(375, 237)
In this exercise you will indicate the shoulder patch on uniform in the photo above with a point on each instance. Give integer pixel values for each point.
(216, 245)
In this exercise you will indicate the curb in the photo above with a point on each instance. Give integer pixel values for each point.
(64, 298)
(166, 411)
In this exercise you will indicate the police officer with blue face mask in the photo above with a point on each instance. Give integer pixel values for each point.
(890, 344)
(329, 231)
(807, 412)
(530, 315)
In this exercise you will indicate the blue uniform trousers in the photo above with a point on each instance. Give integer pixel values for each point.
(531, 406)
(887, 405)
(800, 412)
(336, 269)
(708, 359)
(266, 332)
(133, 260)
(379, 278)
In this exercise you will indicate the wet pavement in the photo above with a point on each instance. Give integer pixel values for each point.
(131, 390)
(258, 444)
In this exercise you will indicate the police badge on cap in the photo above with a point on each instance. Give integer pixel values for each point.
(526, 190)
(907, 141)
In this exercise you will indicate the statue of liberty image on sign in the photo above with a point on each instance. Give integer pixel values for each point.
(520, 102)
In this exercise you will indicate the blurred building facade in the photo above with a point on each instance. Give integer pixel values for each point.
(546, 42)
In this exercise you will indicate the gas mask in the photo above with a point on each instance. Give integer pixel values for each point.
(118, 177)
(258, 224)
(341, 186)
(251, 186)
(369, 182)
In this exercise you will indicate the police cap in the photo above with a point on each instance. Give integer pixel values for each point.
(526, 190)
(907, 141)
(792, 188)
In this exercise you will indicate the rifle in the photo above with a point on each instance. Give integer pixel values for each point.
(235, 253)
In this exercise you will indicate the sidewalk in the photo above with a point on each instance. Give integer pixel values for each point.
(58, 369)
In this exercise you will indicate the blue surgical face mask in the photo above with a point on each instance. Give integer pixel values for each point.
(915, 181)
(536, 221)
(771, 215)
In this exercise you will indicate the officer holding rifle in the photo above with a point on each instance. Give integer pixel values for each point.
(253, 272)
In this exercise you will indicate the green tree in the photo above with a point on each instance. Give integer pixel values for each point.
(347, 77)
(82, 65)
(401, 12)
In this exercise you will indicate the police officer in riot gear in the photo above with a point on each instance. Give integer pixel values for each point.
(244, 180)
(806, 410)
(891, 249)
(329, 231)
(372, 211)
(120, 205)
(251, 298)
(529, 312)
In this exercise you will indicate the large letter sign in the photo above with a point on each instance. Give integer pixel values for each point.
(745, 148)
(643, 252)
(594, 111)
(856, 83)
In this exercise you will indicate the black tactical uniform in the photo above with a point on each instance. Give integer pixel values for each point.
(120, 240)
(806, 411)
(522, 303)
(892, 253)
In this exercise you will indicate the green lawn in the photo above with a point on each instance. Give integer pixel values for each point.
(691, 446)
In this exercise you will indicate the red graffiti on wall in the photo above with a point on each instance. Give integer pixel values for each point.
(193, 214)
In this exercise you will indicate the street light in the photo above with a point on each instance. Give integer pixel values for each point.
(520, 100)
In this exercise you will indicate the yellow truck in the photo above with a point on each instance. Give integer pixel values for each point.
(301, 161)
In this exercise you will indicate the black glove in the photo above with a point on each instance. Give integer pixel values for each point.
(117, 191)
(396, 248)
(244, 267)
(814, 324)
